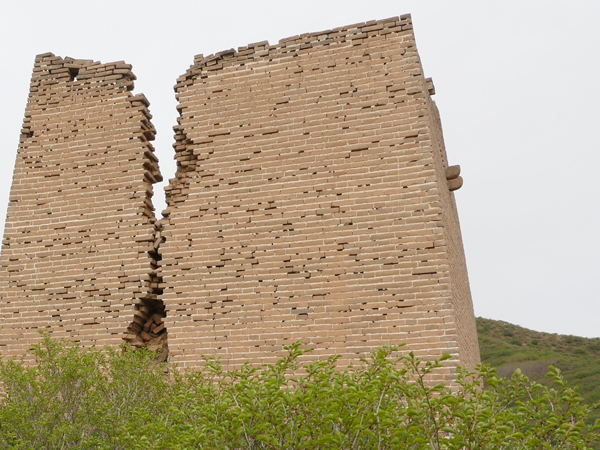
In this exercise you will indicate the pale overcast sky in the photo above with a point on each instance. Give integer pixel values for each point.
(517, 85)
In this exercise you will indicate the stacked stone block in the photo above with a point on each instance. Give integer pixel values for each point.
(78, 255)
(311, 203)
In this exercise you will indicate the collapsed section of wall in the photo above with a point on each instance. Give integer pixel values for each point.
(80, 229)
(309, 204)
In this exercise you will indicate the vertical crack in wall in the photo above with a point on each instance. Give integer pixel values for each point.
(147, 330)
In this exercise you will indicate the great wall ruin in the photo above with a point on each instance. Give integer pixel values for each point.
(313, 201)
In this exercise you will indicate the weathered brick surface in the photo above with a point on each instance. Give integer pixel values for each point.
(75, 255)
(310, 204)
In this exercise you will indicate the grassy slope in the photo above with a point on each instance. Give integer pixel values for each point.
(508, 347)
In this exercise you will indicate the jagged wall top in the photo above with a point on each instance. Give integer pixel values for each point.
(286, 46)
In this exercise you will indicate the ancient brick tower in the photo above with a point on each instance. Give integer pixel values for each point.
(312, 202)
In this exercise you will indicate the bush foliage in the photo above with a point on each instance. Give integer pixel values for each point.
(121, 399)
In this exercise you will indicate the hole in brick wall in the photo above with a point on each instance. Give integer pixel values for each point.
(73, 72)
(148, 328)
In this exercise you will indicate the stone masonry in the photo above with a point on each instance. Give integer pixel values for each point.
(313, 201)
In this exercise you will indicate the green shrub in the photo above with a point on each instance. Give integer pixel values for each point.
(91, 399)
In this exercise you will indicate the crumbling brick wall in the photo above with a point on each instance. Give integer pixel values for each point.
(77, 255)
(311, 203)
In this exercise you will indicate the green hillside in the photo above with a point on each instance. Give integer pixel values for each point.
(507, 347)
